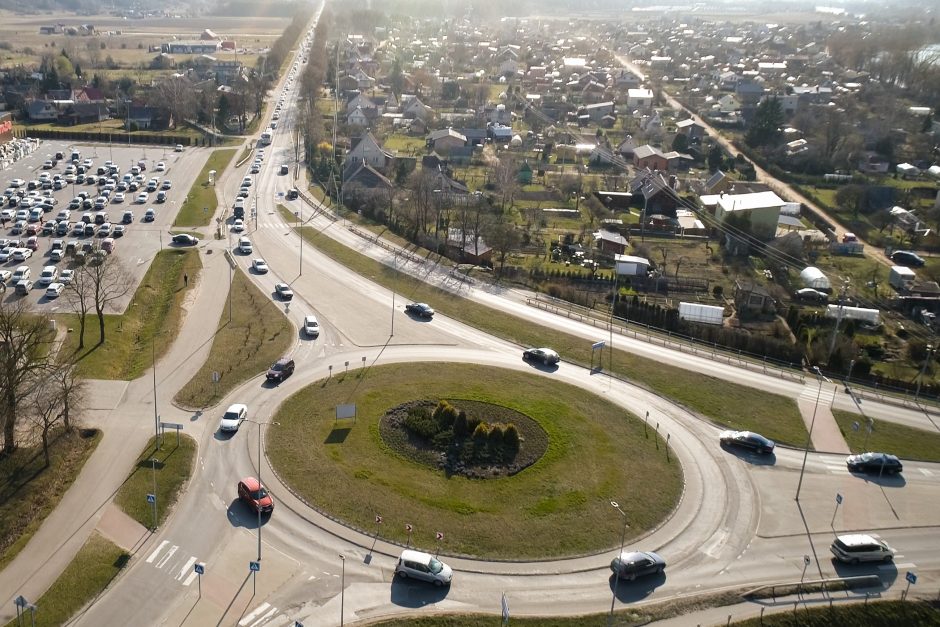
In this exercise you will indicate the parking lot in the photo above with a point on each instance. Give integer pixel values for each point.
(141, 238)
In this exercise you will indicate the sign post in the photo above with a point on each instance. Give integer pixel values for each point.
(409, 529)
(440, 539)
(172, 425)
(805, 565)
(911, 579)
(152, 499)
(597, 346)
(505, 605)
(200, 569)
(838, 503)
(254, 567)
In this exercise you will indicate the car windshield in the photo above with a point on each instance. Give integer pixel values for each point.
(435, 566)
(259, 494)
(277, 366)
(230, 415)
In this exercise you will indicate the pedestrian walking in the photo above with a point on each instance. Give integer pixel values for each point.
(186, 280)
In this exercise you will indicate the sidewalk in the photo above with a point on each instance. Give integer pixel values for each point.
(825, 433)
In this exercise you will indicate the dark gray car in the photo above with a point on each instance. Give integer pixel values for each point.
(631, 565)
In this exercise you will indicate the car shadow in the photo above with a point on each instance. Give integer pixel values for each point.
(418, 318)
(541, 365)
(749, 456)
(270, 384)
(224, 436)
(415, 594)
(885, 481)
(886, 571)
(240, 515)
(637, 590)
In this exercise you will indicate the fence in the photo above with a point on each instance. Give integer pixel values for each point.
(102, 137)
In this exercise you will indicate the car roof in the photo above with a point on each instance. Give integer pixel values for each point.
(310, 318)
(251, 483)
(855, 539)
(284, 360)
(415, 556)
(632, 556)
(237, 407)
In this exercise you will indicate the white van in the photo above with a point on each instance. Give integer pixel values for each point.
(423, 566)
(861, 547)
(244, 245)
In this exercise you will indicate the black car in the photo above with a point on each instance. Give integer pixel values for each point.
(637, 564)
(422, 310)
(880, 463)
(185, 239)
(747, 439)
(907, 258)
(281, 369)
(545, 355)
(292, 194)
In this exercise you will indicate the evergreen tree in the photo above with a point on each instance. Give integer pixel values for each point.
(715, 157)
(765, 127)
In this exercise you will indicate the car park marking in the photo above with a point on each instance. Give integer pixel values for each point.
(156, 552)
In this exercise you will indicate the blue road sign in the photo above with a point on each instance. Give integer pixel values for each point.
(254, 566)
(297, 623)
(838, 499)
(151, 498)
(200, 568)
(911, 577)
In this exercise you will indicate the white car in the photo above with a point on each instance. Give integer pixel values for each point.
(179, 148)
(21, 254)
(54, 290)
(48, 275)
(238, 226)
(141, 198)
(161, 167)
(118, 197)
(311, 326)
(259, 265)
(233, 417)
(66, 276)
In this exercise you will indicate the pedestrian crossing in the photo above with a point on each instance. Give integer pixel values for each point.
(266, 615)
(168, 558)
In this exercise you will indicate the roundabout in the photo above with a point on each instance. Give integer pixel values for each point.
(555, 506)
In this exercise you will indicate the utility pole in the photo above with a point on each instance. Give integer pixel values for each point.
(835, 332)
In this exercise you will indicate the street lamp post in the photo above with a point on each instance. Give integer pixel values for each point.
(809, 437)
(260, 485)
(623, 537)
(923, 371)
(342, 591)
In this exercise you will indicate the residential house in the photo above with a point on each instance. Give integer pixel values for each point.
(42, 111)
(475, 136)
(598, 110)
(748, 93)
(690, 128)
(649, 157)
(365, 176)
(87, 94)
(625, 79)
(610, 242)
(415, 109)
(630, 266)
(368, 150)
(445, 140)
(85, 113)
(627, 147)
(358, 117)
(762, 210)
(751, 298)
(497, 114)
(640, 99)
(468, 249)
(658, 192)
(362, 102)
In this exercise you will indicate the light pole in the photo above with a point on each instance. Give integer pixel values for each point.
(156, 419)
(623, 536)
(342, 591)
(260, 485)
(923, 370)
(809, 437)
(153, 464)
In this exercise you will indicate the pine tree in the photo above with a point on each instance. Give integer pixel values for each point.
(765, 128)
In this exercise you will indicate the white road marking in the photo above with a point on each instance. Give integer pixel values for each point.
(925, 472)
(311, 577)
(166, 558)
(186, 568)
(265, 618)
(250, 617)
(718, 539)
(156, 551)
(896, 566)
(190, 579)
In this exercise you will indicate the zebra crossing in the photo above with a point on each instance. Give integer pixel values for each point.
(181, 568)
(265, 614)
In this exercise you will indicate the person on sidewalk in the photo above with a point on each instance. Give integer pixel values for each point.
(185, 280)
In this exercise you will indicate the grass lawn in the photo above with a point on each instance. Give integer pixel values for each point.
(875, 614)
(404, 144)
(257, 336)
(115, 127)
(26, 486)
(348, 470)
(153, 317)
(201, 194)
(173, 468)
(95, 565)
(723, 402)
(901, 440)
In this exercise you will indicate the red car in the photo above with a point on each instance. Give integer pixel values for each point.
(255, 495)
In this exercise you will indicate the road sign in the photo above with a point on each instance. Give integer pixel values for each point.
(254, 566)
(440, 536)
(378, 519)
(408, 528)
(199, 568)
(855, 426)
(151, 498)
(806, 559)
(216, 376)
(171, 425)
(838, 499)
(598, 345)
(20, 601)
(911, 577)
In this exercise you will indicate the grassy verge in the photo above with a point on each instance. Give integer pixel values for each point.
(149, 325)
(174, 466)
(257, 336)
(874, 614)
(890, 437)
(201, 194)
(26, 485)
(95, 565)
(723, 402)
(341, 468)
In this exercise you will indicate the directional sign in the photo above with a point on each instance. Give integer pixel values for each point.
(806, 559)
(911, 577)
(408, 528)
(440, 535)
(838, 499)
(254, 566)
(598, 345)
(171, 425)
(199, 568)
(378, 519)
(151, 498)
(505, 605)
(216, 376)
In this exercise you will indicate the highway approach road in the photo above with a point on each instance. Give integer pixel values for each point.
(736, 525)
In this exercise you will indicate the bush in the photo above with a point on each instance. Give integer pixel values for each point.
(511, 439)
(422, 423)
(480, 432)
(460, 425)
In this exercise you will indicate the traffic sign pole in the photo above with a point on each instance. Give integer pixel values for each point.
(836, 511)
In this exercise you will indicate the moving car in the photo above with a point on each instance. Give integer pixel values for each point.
(283, 291)
(860, 547)
(255, 495)
(423, 566)
(233, 417)
(150, 215)
(881, 463)
(161, 166)
(244, 245)
(907, 258)
(185, 239)
(747, 439)
(633, 564)
(311, 326)
(281, 369)
(422, 310)
(259, 265)
(238, 225)
(545, 355)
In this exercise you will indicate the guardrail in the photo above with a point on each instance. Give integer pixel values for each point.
(789, 587)
(649, 334)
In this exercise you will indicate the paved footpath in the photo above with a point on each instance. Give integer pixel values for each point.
(815, 405)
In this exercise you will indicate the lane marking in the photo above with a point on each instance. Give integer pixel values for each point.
(896, 566)
(925, 472)
(156, 551)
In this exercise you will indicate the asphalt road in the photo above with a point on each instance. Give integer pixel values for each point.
(737, 523)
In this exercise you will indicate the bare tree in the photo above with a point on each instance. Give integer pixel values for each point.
(503, 237)
(71, 390)
(45, 410)
(505, 179)
(177, 95)
(108, 281)
(24, 337)
(78, 295)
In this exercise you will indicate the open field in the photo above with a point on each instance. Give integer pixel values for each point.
(257, 336)
(145, 330)
(889, 437)
(95, 565)
(201, 201)
(171, 472)
(27, 486)
(722, 402)
(341, 467)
